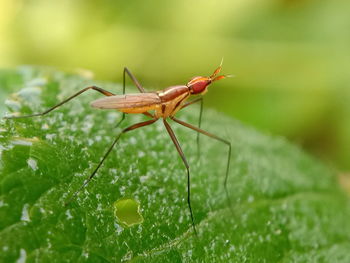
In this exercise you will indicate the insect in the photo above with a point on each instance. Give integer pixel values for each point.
(158, 105)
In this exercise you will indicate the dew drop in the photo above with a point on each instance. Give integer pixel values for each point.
(25, 214)
(22, 256)
(13, 105)
(32, 164)
(69, 215)
(30, 93)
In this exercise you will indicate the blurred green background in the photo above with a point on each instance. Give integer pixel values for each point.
(291, 58)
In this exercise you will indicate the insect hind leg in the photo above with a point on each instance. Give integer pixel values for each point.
(228, 143)
(104, 92)
(182, 155)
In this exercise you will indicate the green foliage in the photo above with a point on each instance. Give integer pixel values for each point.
(286, 206)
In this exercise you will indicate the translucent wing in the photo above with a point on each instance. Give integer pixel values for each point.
(128, 101)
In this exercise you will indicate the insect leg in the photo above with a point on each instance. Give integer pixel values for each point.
(148, 114)
(133, 78)
(130, 128)
(216, 138)
(200, 117)
(191, 102)
(104, 92)
(178, 148)
(137, 84)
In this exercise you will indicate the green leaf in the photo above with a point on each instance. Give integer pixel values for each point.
(287, 207)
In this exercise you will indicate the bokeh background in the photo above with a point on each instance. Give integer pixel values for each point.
(290, 58)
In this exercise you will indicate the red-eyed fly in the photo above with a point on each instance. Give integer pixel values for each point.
(162, 104)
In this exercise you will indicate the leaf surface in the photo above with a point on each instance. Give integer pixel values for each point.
(287, 206)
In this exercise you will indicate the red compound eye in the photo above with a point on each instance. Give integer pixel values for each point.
(198, 84)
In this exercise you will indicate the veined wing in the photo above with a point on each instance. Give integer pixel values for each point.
(127, 101)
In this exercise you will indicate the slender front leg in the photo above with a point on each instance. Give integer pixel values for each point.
(182, 155)
(191, 102)
(200, 99)
(104, 92)
(130, 128)
(216, 138)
